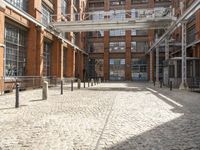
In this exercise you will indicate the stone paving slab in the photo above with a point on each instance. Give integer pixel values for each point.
(123, 116)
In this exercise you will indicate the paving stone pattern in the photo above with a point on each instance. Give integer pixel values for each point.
(109, 116)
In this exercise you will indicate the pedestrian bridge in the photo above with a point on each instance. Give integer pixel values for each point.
(142, 19)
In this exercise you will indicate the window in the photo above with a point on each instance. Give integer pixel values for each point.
(63, 7)
(117, 46)
(117, 32)
(47, 59)
(139, 1)
(21, 4)
(117, 2)
(46, 15)
(139, 46)
(117, 69)
(15, 55)
(139, 32)
(96, 47)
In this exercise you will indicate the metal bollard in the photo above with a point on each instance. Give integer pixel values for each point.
(72, 85)
(45, 90)
(170, 85)
(99, 80)
(92, 82)
(154, 83)
(84, 83)
(61, 88)
(88, 83)
(79, 83)
(17, 96)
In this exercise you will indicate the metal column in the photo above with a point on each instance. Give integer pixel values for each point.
(184, 84)
(167, 48)
(157, 64)
(151, 66)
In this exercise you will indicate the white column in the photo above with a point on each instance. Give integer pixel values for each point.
(184, 84)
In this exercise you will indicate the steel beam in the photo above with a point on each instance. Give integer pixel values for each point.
(89, 25)
(188, 13)
(184, 84)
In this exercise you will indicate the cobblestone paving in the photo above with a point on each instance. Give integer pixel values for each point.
(122, 116)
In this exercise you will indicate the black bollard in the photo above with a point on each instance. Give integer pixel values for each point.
(154, 82)
(61, 87)
(170, 85)
(84, 83)
(88, 83)
(72, 85)
(17, 96)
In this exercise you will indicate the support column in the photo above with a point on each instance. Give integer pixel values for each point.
(157, 64)
(71, 62)
(151, 66)
(166, 48)
(40, 50)
(184, 84)
(31, 67)
(128, 46)
(106, 46)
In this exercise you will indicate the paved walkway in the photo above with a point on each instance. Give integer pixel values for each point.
(109, 116)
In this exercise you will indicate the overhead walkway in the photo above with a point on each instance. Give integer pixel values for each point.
(157, 18)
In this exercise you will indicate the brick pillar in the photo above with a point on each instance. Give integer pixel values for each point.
(128, 46)
(106, 46)
(2, 27)
(70, 62)
(150, 41)
(57, 8)
(39, 52)
(34, 8)
(55, 58)
(151, 3)
(198, 32)
(128, 56)
(106, 55)
(32, 51)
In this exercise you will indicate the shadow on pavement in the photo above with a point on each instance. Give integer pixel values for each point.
(182, 133)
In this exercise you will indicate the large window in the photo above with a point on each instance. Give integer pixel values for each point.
(64, 7)
(139, 70)
(117, 46)
(96, 47)
(135, 32)
(15, 55)
(139, 46)
(21, 4)
(46, 15)
(117, 2)
(47, 59)
(117, 32)
(117, 69)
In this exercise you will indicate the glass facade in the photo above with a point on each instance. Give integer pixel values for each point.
(15, 54)
(21, 4)
(47, 59)
(117, 69)
(96, 68)
(139, 69)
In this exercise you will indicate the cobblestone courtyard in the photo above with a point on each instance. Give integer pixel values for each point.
(109, 116)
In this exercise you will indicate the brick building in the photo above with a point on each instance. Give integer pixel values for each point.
(30, 45)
